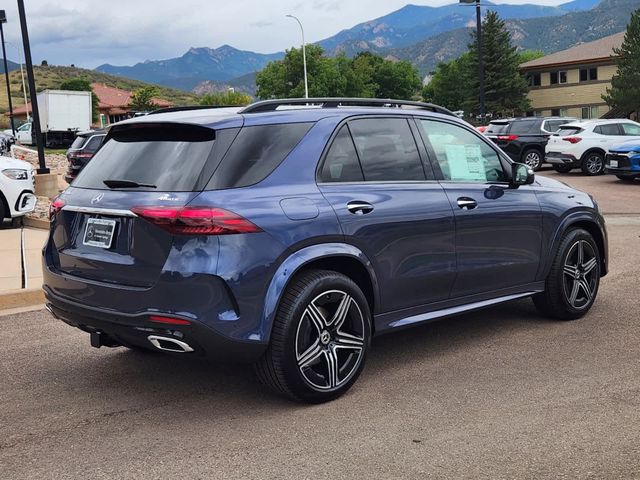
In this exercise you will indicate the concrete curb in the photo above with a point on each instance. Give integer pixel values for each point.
(21, 298)
(36, 223)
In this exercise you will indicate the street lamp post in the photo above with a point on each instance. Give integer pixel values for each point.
(35, 121)
(3, 20)
(480, 57)
(304, 57)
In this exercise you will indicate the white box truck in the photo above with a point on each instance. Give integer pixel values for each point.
(63, 113)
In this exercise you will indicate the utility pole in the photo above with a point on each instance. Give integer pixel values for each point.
(35, 121)
(3, 20)
(480, 56)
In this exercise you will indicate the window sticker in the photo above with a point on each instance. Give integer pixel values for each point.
(466, 163)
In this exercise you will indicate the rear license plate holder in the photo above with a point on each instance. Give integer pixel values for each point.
(99, 232)
(613, 163)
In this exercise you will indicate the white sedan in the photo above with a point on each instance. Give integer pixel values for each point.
(16, 188)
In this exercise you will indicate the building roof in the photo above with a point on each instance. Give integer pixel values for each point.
(586, 52)
(116, 100)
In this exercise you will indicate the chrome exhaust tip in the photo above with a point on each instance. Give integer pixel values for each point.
(169, 344)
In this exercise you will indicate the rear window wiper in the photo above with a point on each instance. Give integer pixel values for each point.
(126, 184)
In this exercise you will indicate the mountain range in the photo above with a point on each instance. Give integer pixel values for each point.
(421, 34)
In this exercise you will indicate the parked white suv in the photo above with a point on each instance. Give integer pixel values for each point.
(585, 144)
(16, 188)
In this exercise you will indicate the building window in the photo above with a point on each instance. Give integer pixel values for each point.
(563, 77)
(558, 77)
(588, 74)
(554, 78)
(534, 80)
(590, 112)
(555, 112)
(564, 112)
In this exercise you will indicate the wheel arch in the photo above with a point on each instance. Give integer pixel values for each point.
(5, 204)
(342, 258)
(592, 150)
(591, 225)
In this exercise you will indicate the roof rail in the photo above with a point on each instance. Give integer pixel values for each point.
(185, 108)
(330, 102)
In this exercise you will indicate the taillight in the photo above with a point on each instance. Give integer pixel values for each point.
(81, 155)
(168, 320)
(55, 206)
(572, 139)
(507, 138)
(196, 220)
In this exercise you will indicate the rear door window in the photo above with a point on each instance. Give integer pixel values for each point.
(387, 149)
(256, 152)
(170, 157)
(78, 142)
(341, 163)
(610, 129)
(523, 127)
(462, 156)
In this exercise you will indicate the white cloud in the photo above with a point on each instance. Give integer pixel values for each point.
(91, 32)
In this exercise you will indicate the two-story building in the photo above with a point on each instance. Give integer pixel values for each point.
(571, 82)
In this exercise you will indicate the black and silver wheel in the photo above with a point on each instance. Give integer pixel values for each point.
(593, 164)
(626, 178)
(562, 168)
(319, 339)
(572, 284)
(532, 159)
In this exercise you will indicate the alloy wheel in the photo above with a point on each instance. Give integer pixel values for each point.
(532, 160)
(594, 164)
(330, 340)
(580, 274)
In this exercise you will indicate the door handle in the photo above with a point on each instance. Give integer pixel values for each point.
(466, 203)
(359, 208)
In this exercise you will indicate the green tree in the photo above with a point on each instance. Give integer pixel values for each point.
(366, 75)
(142, 99)
(228, 99)
(450, 84)
(79, 84)
(624, 93)
(505, 86)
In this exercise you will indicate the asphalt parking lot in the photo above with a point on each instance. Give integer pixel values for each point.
(495, 394)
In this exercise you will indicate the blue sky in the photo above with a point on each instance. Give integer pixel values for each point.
(89, 33)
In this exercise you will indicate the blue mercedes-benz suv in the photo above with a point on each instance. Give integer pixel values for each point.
(289, 233)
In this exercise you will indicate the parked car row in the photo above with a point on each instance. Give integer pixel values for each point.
(593, 146)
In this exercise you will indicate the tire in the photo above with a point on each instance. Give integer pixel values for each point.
(626, 178)
(532, 158)
(562, 168)
(593, 164)
(572, 284)
(315, 355)
(3, 211)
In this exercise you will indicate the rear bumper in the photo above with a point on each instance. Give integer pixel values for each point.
(556, 158)
(119, 328)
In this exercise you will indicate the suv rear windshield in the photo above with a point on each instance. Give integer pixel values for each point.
(497, 128)
(563, 131)
(185, 158)
(78, 142)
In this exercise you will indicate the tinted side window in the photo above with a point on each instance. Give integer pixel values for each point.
(387, 149)
(630, 129)
(520, 128)
(553, 125)
(611, 129)
(461, 155)
(256, 152)
(341, 163)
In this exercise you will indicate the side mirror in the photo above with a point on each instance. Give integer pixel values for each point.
(521, 174)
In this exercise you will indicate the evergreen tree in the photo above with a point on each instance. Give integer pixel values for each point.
(624, 93)
(450, 84)
(505, 87)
